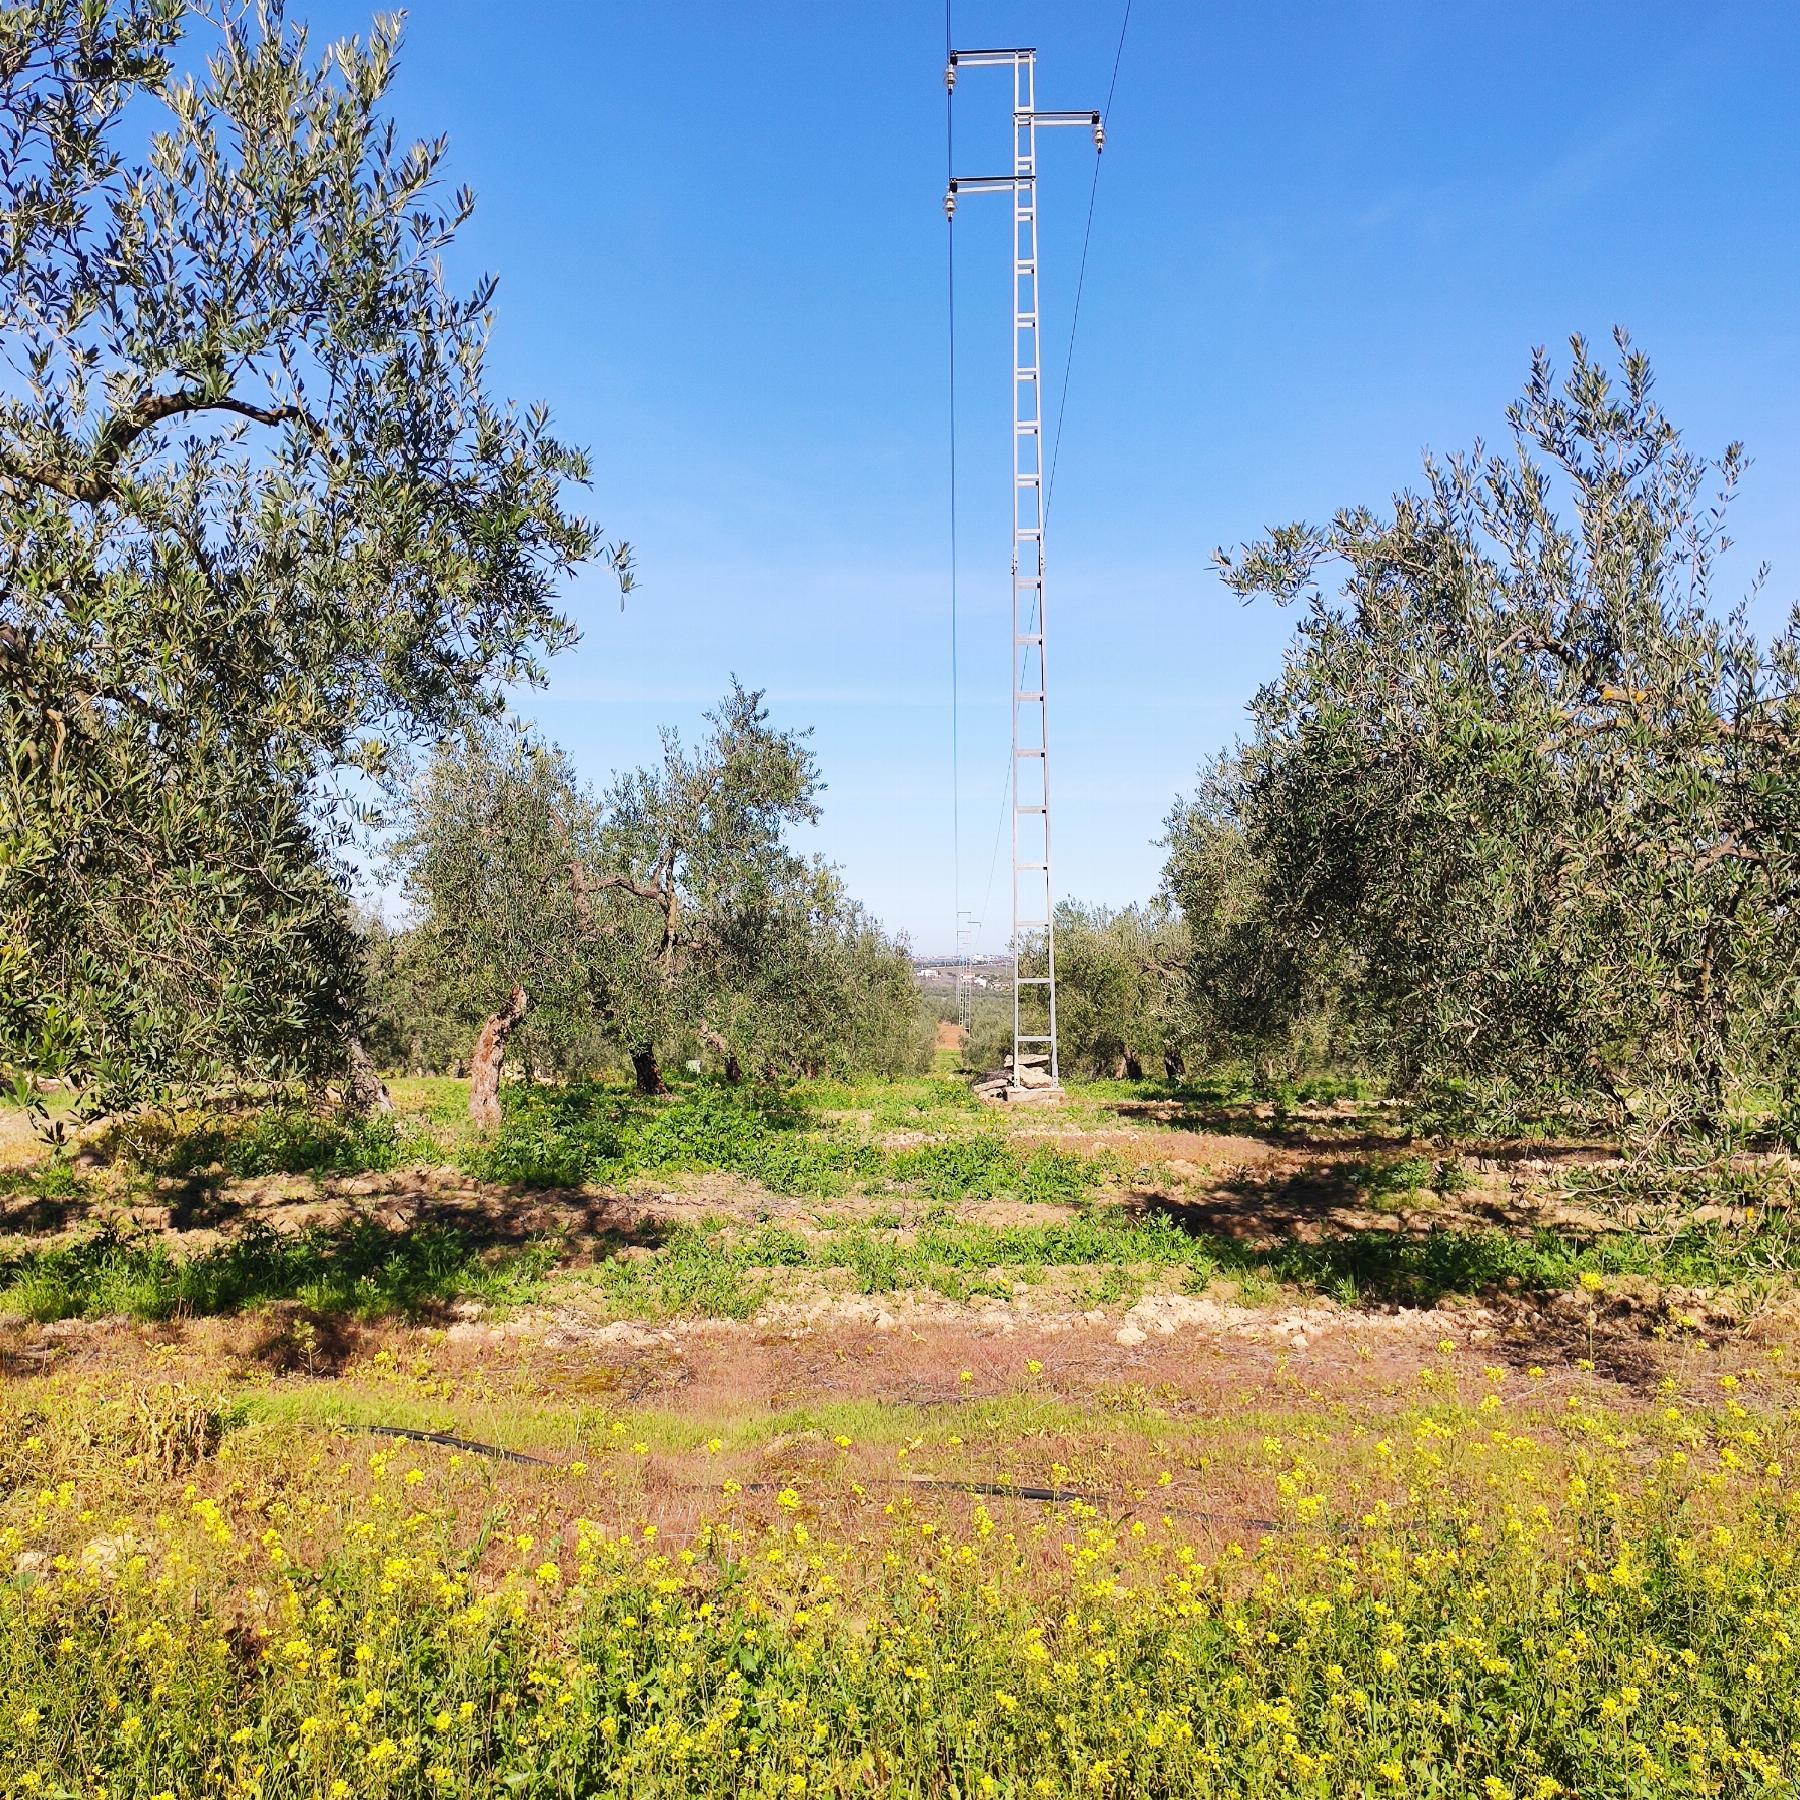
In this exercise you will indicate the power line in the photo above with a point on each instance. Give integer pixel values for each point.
(1112, 86)
(1062, 403)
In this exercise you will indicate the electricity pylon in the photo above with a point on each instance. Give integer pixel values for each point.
(1034, 995)
(966, 927)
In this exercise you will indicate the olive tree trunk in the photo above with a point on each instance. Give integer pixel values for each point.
(490, 1053)
(649, 1075)
(365, 1091)
(734, 1069)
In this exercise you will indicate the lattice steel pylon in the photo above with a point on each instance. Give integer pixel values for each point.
(1034, 1055)
(966, 927)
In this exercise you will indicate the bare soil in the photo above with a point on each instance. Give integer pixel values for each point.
(1141, 1384)
(1159, 1407)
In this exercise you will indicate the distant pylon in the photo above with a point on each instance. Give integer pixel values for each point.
(966, 927)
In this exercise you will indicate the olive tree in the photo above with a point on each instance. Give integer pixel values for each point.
(413, 1020)
(667, 915)
(691, 848)
(496, 830)
(1252, 986)
(261, 524)
(1120, 977)
(804, 983)
(1524, 795)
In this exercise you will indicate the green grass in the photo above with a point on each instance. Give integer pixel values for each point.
(1232, 1100)
(290, 1140)
(1389, 1182)
(1393, 1176)
(705, 1270)
(811, 1142)
(369, 1270)
(928, 1101)
(1390, 1266)
(363, 1269)
(1109, 1257)
(443, 1099)
(574, 1136)
(1008, 1429)
(591, 1133)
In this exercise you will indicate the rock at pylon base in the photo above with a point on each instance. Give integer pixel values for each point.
(1035, 1088)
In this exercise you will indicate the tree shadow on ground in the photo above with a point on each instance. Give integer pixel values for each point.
(1307, 1231)
(41, 1214)
(1323, 1130)
(1323, 1199)
(355, 1267)
(1346, 1126)
(1617, 1350)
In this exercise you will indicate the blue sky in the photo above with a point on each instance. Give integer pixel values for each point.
(1327, 236)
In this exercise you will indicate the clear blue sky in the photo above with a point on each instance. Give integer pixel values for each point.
(1327, 236)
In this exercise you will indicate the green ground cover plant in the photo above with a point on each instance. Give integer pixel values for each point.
(706, 1269)
(728, 1274)
(288, 1139)
(712, 1270)
(53, 1177)
(813, 1142)
(595, 1133)
(897, 1105)
(364, 1269)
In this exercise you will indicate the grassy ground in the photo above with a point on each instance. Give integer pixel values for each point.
(866, 1441)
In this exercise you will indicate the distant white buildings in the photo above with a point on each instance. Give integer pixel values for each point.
(945, 975)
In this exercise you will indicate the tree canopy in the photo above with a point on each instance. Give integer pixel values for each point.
(1521, 809)
(1119, 1011)
(667, 915)
(261, 524)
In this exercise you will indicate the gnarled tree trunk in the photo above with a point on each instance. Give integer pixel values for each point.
(490, 1053)
(644, 1067)
(365, 1091)
(734, 1069)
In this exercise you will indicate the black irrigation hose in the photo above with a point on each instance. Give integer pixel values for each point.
(1002, 1490)
(455, 1443)
(1007, 1490)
